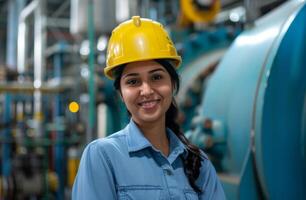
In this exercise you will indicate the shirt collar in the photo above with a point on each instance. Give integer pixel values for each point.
(136, 141)
(176, 145)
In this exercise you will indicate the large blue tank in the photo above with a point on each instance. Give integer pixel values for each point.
(258, 97)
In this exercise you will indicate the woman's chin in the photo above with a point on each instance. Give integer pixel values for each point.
(150, 117)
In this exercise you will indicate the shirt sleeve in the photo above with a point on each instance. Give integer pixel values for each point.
(95, 178)
(211, 188)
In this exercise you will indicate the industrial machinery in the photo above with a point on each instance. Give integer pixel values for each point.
(39, 133)
(253, 116)
(243, 104)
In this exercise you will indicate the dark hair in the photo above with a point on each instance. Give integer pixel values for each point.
(192, 163)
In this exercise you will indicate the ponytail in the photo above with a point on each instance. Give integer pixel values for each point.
(192, 163)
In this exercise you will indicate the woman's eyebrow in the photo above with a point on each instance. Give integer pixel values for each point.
(131, 74)
(136, 74)
(154, 70)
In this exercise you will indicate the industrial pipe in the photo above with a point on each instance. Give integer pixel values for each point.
(36, 6)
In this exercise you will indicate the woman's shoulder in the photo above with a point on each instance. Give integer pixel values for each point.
(206, 164)
(207, 171)
(110, 144)
(203, 156)
(208, 180)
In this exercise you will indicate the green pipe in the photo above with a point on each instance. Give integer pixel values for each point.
(91, 63)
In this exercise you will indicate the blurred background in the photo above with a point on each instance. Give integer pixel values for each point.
(242, 99)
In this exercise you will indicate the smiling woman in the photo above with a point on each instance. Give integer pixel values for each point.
(146, 90)
(150, 158)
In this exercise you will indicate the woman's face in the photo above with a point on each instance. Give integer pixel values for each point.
(146, 90)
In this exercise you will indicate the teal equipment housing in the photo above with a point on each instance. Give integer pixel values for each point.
(256, 100)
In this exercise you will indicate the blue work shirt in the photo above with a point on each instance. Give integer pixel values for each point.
(126, 166)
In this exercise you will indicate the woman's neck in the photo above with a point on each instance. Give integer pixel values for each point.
(156, 134)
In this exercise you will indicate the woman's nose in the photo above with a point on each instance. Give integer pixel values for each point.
(146, 89)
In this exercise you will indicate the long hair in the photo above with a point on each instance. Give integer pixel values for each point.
(192, 162)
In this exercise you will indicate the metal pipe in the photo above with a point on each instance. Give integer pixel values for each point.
(22, 35)
(60, 161)
(28, 10)
(252, 12)
(12, 27)
(36, 6)
(14, 10)
(6, 149)
(58, 22)
(91, 63)
(20, 109)
(39, 62)
(39, 44)
(21, 52)
(27, 87)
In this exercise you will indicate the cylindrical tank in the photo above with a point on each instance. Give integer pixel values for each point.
(258, 94)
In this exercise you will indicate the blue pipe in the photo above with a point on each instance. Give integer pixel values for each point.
(60, 161)
(15, 8)
(6, 147)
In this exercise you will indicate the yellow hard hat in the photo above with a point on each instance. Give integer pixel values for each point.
(138, 39)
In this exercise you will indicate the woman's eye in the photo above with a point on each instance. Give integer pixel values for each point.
(156, 77)
(132, 82)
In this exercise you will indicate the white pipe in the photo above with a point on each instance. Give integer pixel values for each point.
(39, 44)
(22, 35)
(36, 6)
(28, 10)
(39, 62)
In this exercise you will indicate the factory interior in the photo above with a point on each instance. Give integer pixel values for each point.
(242, 97)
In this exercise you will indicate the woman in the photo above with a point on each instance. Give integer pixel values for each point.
(150, 158)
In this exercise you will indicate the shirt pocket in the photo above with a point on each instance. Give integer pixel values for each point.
(137, 192)
(191, 195)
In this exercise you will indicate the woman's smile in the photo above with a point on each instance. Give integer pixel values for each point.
(149, 104)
